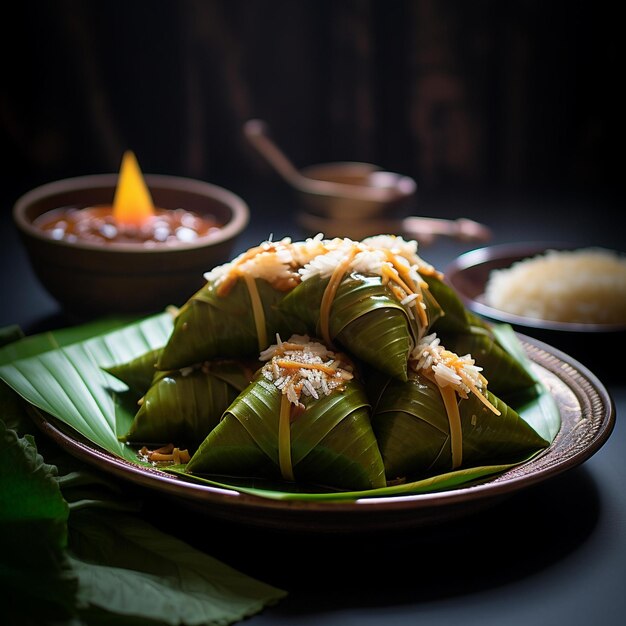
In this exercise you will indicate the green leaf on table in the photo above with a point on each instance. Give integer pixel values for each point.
(33, 530)
(115, 567)
(29, 489)
(130, 568)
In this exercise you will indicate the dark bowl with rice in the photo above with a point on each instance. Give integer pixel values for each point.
(569, 297)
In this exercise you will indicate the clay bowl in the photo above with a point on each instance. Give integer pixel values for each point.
(354, 191)
(118, 278)
(342, 190)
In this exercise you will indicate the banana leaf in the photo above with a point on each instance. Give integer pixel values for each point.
(69, 386)
(210, 326)
(366, 319)
(332, 442)
(139, 372)
(33, 345)
(71, 383)
(182, 407)
(455, 315)
(413, 431)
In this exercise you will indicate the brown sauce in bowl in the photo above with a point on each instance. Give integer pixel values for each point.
(96, 225)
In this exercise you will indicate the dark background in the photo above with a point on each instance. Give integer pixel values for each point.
(476, 100)
(506, 112)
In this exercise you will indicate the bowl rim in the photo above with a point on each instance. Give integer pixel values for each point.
(480, 256)
(240, 212)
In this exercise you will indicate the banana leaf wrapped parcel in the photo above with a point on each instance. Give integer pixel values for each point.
(138, 373)
(304, 418)
(444, 418)
(183, 406)
(437, 395)
(237, 313)
(369, 298)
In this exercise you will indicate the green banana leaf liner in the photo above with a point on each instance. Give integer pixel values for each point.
(182, 407)
(332, 441)
(366, 319)
(210, 326)
(464, 332)
(413, 431)
(138, 373)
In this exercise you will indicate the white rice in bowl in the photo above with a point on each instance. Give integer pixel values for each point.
(578, 286)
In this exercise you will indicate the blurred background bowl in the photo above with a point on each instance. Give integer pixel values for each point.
(468, 275)
(90, 279)
(357, 191)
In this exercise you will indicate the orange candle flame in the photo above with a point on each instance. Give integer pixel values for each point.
(132, 204)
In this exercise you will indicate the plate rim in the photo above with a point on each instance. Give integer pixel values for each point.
(568, 370)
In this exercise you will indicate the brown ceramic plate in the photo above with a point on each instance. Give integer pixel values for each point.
(587, 414)
(468, 275)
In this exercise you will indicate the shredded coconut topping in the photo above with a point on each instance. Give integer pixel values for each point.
(372, 254)
(392, 258)
(448, 369)
(284, 263)
(301, 366)
(271, 260)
